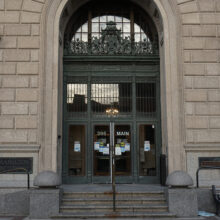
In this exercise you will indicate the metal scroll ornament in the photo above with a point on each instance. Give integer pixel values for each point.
(110, 43)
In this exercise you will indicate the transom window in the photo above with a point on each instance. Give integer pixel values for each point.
(111, 95)
(98, 24)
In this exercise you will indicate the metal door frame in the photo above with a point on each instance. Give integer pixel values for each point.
(119, 179)
(133, 75)
(149, 179)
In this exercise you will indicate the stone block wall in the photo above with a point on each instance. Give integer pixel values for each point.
(201, 69)
(21, 88)
(19, 82)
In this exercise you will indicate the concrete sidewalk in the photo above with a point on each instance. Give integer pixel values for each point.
(197, 218)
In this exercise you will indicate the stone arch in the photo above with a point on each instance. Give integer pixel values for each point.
(51, 99)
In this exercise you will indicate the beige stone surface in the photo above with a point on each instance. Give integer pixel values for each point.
(17, 29)
(27, 68)
(29, 46)
(13, 4)
(206, 177)
(26, 95)
(16, 55)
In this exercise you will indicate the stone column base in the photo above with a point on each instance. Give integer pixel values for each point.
(182, 202)
(44, 203)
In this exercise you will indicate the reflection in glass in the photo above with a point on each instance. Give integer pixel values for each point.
(126, 27)
(143, 37)
(102, 26)
(118, 19)
(126, 20)
(104, 96)
(146, 98)
(137, 37)
(103, 19)
(101, 150)
(76, 152)
(76, 97)
(95, 35)
(95, 27)
(123, 150)
(85, 27)
(77, 36)
(136, 28)
(126, 35)
(96, 19)
(119, 26)
(99, 23)
(84, 37)
(147, 150)
(111, 18)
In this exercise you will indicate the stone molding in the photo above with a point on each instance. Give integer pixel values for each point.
(171, 95)
(202, 147)
(19, 148)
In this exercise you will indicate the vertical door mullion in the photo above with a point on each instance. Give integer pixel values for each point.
(89, 151)
(66, 133)
(158, 126)
(134, 154)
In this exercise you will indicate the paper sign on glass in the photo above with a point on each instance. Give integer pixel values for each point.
(127, 146)
(122, 149)
(96, 146)
(146, 145)
(106, 151)
(101, 149)
(77, 146)
(117, 151)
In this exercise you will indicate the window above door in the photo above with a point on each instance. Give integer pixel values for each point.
(98, 97)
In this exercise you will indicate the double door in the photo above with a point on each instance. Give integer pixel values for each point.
(112, 145)
(91, 147)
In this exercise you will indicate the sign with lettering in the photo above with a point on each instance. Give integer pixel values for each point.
(101, 133)
(14, 164)
(77, 146)
(209, 161)
(122, 133)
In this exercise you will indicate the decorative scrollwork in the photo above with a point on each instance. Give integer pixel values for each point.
(110, 43)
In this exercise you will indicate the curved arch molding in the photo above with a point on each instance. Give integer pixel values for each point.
(167, 20)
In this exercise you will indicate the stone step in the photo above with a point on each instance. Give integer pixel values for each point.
(111, 215)
(120, 208)
(108, 201)
(119, 195)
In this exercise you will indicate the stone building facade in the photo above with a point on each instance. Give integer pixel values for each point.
(31, 97)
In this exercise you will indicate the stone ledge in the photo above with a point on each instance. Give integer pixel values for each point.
(202, 147)
(20, 148)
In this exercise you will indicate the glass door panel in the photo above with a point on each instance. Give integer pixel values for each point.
(122, 150)
(147, 150)
(101, 150)
(76, 150)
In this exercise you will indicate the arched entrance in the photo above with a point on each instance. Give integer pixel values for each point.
(55, 17)
(111, 64)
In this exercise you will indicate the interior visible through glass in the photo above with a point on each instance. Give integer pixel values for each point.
(76, 97)
(123, 150)
(76, 150)
(101, 150)
(147, 150)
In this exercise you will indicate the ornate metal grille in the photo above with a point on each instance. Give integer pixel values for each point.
(110, 42)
